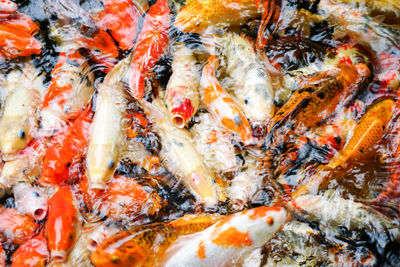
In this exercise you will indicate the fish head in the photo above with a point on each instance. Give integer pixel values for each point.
(7, 7)
(14, 134)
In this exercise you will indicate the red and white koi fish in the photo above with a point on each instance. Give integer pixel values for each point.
(17, 43)
(15, 227)
(69, 92)
(215, 145)
(150, 46)
(227, 241)
(182, 96)
(27, 166)
(31, 201)
(22, 22)
(66, 151)
(180, 156)
(7, 8)
(33, 252)
(122, 18)
(199, 15)
(62, 224)
(108, 128)
(19, 118)
(222, 106)
(250, 82)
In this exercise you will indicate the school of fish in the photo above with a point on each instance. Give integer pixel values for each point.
(199, 133)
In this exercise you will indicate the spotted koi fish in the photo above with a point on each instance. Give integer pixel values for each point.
(66, 151)
(33, 252)
(199, 15)
(182, 96)
(225, 242)
(221, 105)
(150, 45)
(144, 245)
(70, 90)
(61, 224)
(15, 227)
(30, 200)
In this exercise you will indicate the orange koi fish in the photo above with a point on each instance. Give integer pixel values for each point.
(223, 243)
(221, 105)
(66, 150)
(70, 90)
(15, 227)
(271, 12)
(150, 46)
(368, 131)
(62, 224)
(182, 96)
(7, 7)
(198, 15)
(33, 252)
(22, 22)
(125, 198)
(144, 245)
(17, 43)
(122, 19)
(27, 166)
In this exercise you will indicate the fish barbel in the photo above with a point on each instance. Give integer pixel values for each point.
(198, 15)
(225, 242)
(144, 245)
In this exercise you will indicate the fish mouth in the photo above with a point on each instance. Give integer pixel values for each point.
(58, 256)
(40, 213)
(178, 121)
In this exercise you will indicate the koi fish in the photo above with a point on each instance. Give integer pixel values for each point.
(17, 43)
(108, 128)
(182, 96)
(228, 240)
(245, 183)
(199, 15)
(221, 105)
(61, 224)
(215, 145)
(251, 84)
(336, 212)
(122, 19)
(88, 240)
(19, 117)
(179, 155)
(15, 227)
(33, 252)
(27, 166)
(150, 45)
(144, 245)
(66, 151)
(124, 198)
(7, 7)
(70, 90)
(22, 22)
(30, 200)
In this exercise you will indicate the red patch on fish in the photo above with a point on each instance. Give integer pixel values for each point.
(231, 237)
(33, 251)
(186, 110)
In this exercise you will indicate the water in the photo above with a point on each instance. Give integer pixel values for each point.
(299, 36)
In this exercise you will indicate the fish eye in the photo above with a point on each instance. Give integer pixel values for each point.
(270, 220)
(111, 164)
(21, 134)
